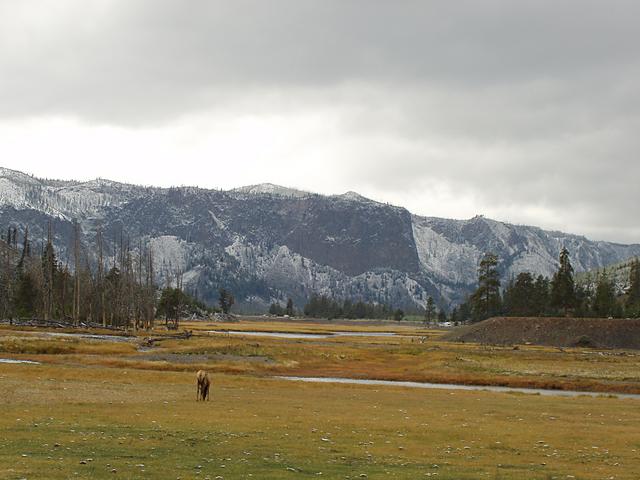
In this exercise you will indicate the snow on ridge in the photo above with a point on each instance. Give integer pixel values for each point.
(170, 253)
(18, 177)
(353, 196)
(271, 189)
(281, 266)
(60, 198)
(452, 262)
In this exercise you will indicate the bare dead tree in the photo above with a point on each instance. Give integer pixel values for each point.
(76, 287)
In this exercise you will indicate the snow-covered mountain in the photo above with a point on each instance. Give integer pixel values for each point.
(267, 243)
(271, 189)
(618, 274)
(63, 199)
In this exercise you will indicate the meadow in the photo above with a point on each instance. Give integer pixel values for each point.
(123, 409)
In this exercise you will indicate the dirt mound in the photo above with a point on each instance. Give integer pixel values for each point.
(558, 332)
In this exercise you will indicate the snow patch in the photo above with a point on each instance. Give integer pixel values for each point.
(271, 189)
(448, 261)
(170, 254)
(219, 223)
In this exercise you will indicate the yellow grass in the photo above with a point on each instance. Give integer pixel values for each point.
(416, 355)
(114, 407)
(147, 424)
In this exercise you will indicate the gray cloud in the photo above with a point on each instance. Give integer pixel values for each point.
(118, 59)
(522, 106)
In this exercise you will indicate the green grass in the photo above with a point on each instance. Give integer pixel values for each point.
(56, 417)
(106, 405)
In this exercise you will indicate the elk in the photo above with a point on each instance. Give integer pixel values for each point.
(202, 392)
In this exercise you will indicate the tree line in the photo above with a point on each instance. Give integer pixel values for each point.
(527, 296)
(322, 306)
(118, 291)
(112, 291)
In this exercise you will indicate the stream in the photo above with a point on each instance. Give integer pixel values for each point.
(11, 360)
(451, 386)
(251, 333)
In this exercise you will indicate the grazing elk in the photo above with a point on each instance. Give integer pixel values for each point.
(202, 392)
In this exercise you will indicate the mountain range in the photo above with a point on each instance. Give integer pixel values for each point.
(267, 243)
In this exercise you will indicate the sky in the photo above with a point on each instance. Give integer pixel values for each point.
(526, 112)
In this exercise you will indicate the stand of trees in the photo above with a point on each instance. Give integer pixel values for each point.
(526, 296)
(276, 309)
(632, 303)
(321, 306)
(175, 304)
(36, 284)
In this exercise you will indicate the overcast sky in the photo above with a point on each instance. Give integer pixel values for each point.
(524, 111)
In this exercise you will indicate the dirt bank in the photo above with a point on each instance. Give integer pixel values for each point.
(558, 332)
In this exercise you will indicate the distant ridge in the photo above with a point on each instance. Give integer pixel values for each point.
(271, 189)
(268, 243)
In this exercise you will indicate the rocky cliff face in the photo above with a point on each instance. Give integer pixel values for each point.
(269, 243)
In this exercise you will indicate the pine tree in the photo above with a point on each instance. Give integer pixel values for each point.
(633, 295)
(76, 273)
(604, 302)
(584, 301)
(542, 295)
(486, 301)
(465, 313)
(430, 310)
(563, 294)
(289, 309)
(49, 267)
(225, 300)
(520, 297)
(26, 250)
(26, 297)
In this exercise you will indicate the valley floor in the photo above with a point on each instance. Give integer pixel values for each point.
(120, 409)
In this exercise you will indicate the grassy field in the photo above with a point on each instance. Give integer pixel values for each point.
(415, 354)
(98, 409)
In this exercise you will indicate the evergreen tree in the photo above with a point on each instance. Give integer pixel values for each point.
(520, 297)
(563, 294)
(172, 301)
(276, 309)
(633, 295)
(604, 302)
(26, 250)
(289, 309)
(583, 306)
(26, 296)
(542, 295)
(464, 311)
(486, 301)
(430, 310)
(225, 300)
(49, 268)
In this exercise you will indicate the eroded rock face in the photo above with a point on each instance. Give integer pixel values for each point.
(266, 243)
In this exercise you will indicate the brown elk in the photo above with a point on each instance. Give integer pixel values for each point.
(202, 392)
